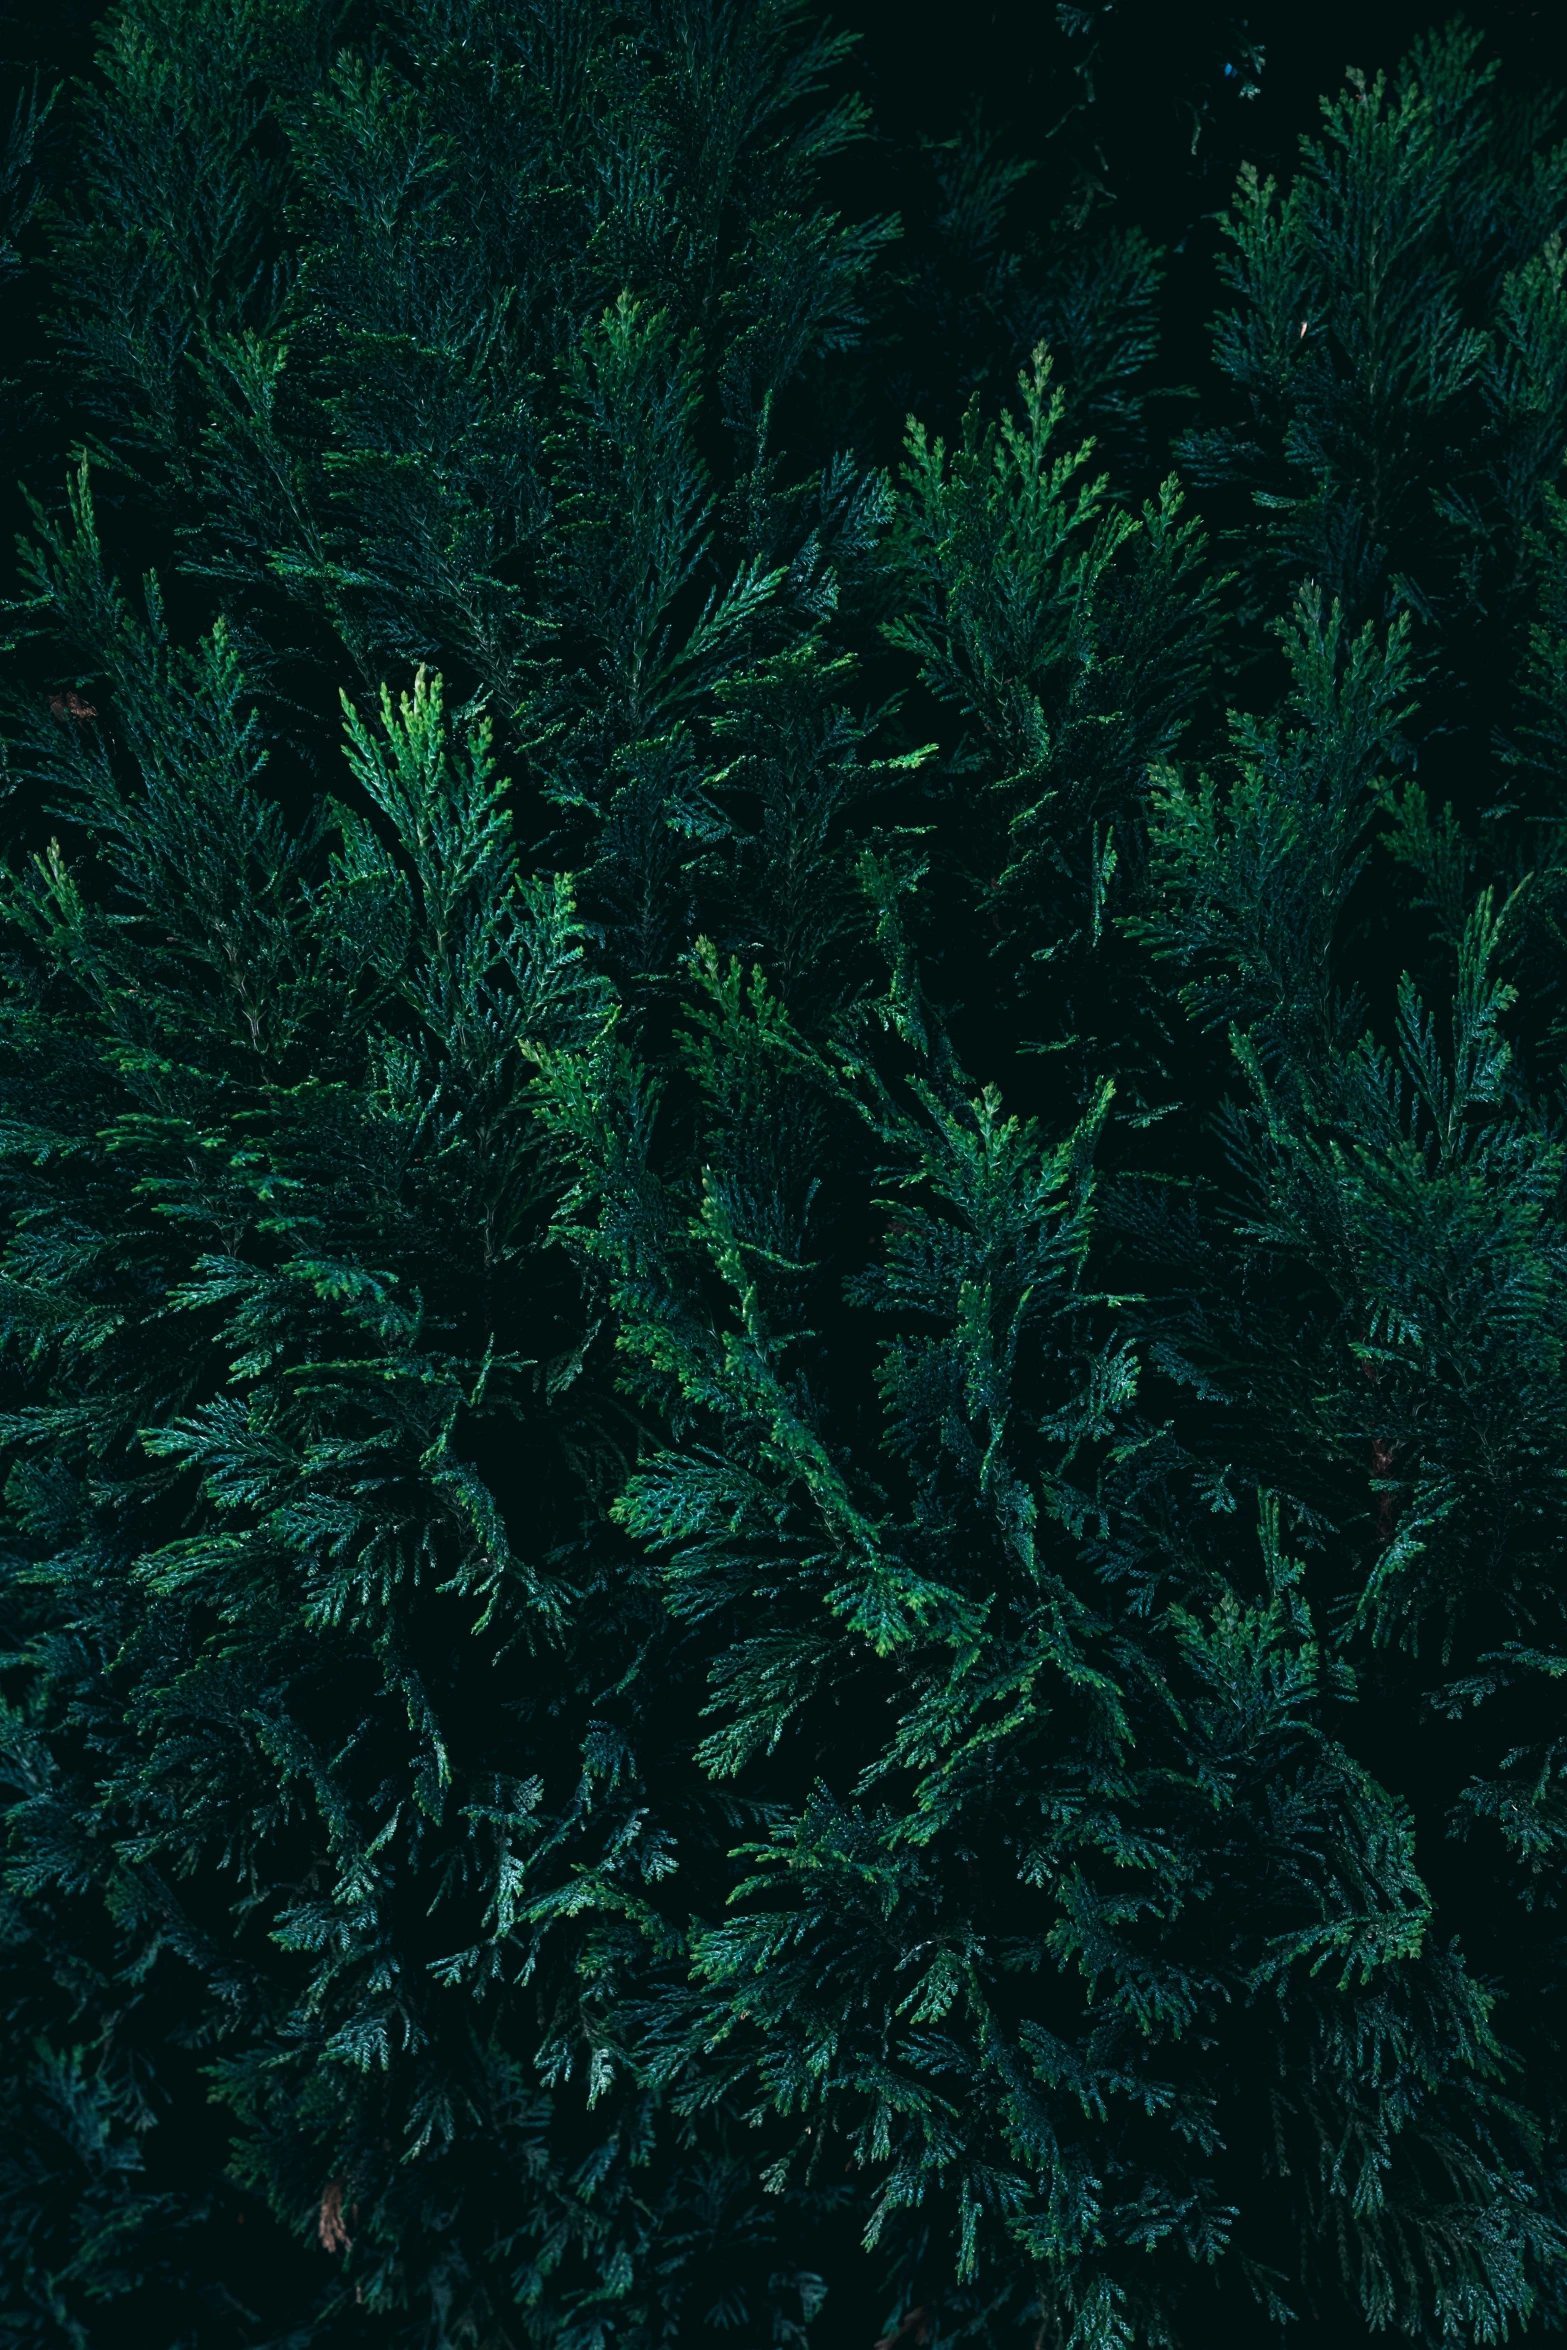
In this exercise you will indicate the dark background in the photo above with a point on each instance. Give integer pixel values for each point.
(1145, 107)
(1149, 96)
(1145, 101)
(1145, 96)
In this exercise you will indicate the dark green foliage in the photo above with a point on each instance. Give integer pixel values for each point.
(279, 1271)
(1073, 638)
(784, 1288)
(370, 331)
(1069, 1902)
(1401, 339)
(981, 290)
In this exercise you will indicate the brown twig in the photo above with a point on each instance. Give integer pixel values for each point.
(920, 2323)
(331, 2226)
(71, 705)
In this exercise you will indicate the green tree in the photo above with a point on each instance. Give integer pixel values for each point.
(1397, 357)
(782, 1210)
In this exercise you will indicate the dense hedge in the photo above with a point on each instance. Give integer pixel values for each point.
(782, 1144)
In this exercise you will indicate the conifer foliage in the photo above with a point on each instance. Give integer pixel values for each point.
(784, 1280)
